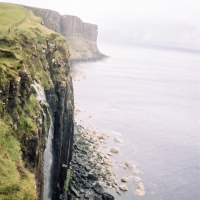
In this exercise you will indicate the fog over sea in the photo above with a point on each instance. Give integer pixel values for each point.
(150, 98)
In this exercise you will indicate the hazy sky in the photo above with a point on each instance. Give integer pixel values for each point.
(153, 21)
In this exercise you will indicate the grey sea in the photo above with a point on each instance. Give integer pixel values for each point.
(150, 98)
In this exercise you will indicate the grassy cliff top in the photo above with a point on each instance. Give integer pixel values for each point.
(22, 36)
(26, 45)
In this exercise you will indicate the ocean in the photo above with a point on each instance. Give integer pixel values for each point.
(150, 98)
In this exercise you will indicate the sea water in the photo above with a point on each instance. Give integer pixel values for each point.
(151, 99)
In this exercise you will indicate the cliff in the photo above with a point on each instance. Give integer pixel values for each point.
(81, 37)
(33, 60)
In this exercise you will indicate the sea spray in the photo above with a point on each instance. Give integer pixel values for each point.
(48, 155)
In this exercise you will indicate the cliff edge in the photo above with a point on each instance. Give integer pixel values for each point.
(81, 36)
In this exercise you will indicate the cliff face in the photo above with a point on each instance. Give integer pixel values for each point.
(81, 37)
(33, 56)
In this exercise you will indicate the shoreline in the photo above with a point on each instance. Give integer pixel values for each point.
(74, 62)
(91, 172)
(92, 175)
(117, 185)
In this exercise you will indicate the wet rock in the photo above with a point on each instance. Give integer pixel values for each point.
(87, 185)
(139, 192)
(82, 191)
(87, 195)
(117, 191)
(123, 187)
(98, 188)
(97, 198)
(136, 171)
(92, 177)
(124, 179)
(87, 168)
(113, 180)
(129, 164)
(117, 139)
(114, 150)
(75, 192)
(140, 189)
(80, 180)
(84, 175)
(137, 179)
(108, 163)
(140, 186)
(107, 196)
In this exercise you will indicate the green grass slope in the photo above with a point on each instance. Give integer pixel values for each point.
(23, 41)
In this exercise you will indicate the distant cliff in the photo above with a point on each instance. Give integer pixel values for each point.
(81, 37)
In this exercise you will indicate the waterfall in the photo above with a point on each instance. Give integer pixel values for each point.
(48, 159)
(48, 154)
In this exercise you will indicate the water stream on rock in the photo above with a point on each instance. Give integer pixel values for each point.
(48, 154)
(48, 158)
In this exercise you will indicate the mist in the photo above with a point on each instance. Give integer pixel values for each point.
(128, 22)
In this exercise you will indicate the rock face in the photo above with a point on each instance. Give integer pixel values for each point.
(50, 17)
(43, 58)
(61, 101)
(81, 36)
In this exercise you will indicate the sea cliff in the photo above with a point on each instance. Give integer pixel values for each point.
(33, 59)
(37, 103)
(81, 37)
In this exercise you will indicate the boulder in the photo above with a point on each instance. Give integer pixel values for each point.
(97, 198)
(137, 179)
(140, 186)
(139, 192)
(98, 188)
(114, 150)
(92, 177)
(136, 171)
(124, 179)
(123, 187)
(118, 140)
(113, 180)
(106, 196)
(87, 185)
(75, 192)
(87, 168)
(129, 164)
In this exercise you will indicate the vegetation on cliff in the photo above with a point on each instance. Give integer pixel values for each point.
(29, 53)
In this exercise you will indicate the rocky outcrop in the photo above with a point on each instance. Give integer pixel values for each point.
(81, 36)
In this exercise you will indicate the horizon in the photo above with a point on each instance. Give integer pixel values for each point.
(165, 22)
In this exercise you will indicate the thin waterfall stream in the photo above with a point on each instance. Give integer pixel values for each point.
(48, 159)
(48, 153)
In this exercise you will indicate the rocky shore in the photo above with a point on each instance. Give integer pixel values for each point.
(91, 169)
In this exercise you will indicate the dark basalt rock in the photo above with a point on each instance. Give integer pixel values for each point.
(75, 192)
(97, 198)
(107, 196)
(92, 177)
(98, 188)
(87, 185)
(87, 168)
